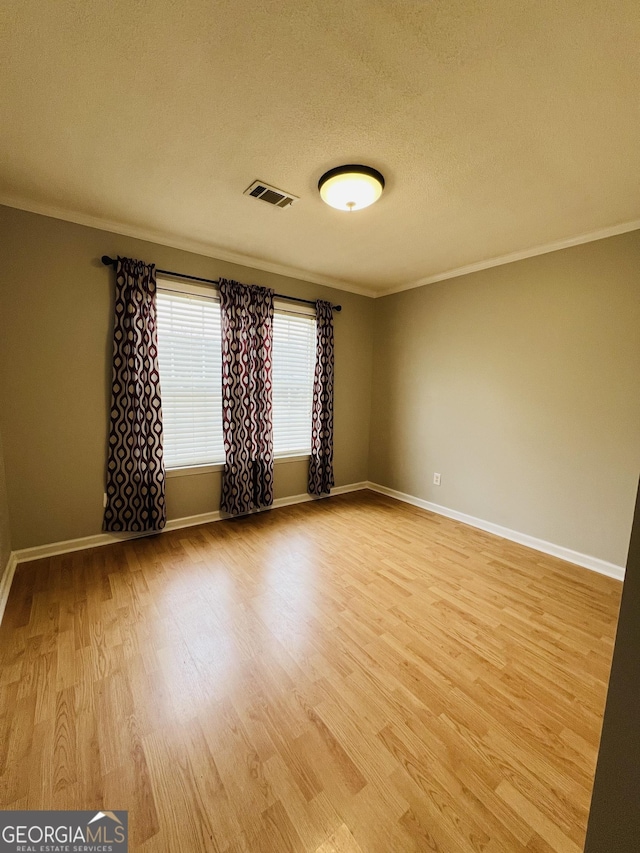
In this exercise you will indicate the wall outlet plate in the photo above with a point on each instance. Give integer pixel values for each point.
(436, 479)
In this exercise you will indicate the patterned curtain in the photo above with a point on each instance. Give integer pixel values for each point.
(135, 465)
(247, 409)
(321, 462)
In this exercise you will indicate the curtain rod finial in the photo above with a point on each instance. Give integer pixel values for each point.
(107, 261)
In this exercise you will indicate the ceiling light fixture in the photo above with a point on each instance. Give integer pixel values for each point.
(351, 187)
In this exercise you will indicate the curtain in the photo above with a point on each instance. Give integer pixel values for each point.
(247, 408)
(135, 465)
(321, 461)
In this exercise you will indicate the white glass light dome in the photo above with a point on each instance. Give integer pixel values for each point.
(351, 187)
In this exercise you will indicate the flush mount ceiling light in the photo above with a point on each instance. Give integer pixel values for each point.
(351, 187)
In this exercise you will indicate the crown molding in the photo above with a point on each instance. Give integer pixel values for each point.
(183, 243)
(218, 253)
(592, 236)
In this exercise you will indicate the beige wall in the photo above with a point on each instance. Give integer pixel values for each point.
(5, 533)
(55, 322)
(519, 385)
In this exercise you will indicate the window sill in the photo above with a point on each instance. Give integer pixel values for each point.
(295, 457)
(219, 466)
(195, 469)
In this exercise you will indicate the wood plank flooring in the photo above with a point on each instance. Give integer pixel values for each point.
(351, 675)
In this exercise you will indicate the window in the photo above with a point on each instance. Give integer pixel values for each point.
(189, 356)
(294, 356)
(190, 365)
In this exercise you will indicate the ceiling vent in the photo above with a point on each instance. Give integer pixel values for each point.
(272, 195)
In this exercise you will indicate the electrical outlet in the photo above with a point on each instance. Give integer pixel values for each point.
(436, 479)
(104, 499)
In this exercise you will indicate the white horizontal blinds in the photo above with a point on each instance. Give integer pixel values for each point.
(189, 356)
(294, 345)
(190, 378)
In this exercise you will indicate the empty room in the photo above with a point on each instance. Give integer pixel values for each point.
(319, 427)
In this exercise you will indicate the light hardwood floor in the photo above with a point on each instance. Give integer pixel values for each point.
(345, 675)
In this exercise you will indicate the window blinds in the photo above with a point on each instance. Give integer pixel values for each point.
(190, 378)
(189, 355)
(294, 346)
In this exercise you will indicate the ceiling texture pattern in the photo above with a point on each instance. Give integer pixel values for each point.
(499, 127)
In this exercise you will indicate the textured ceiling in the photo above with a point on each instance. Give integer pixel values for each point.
(500, 127)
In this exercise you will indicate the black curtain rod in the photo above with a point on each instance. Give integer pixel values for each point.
(111, 262)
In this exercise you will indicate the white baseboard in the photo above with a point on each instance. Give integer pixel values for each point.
(353, 487)
(5, 581)
(53, 549)
(301, 499)
(584, 560)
